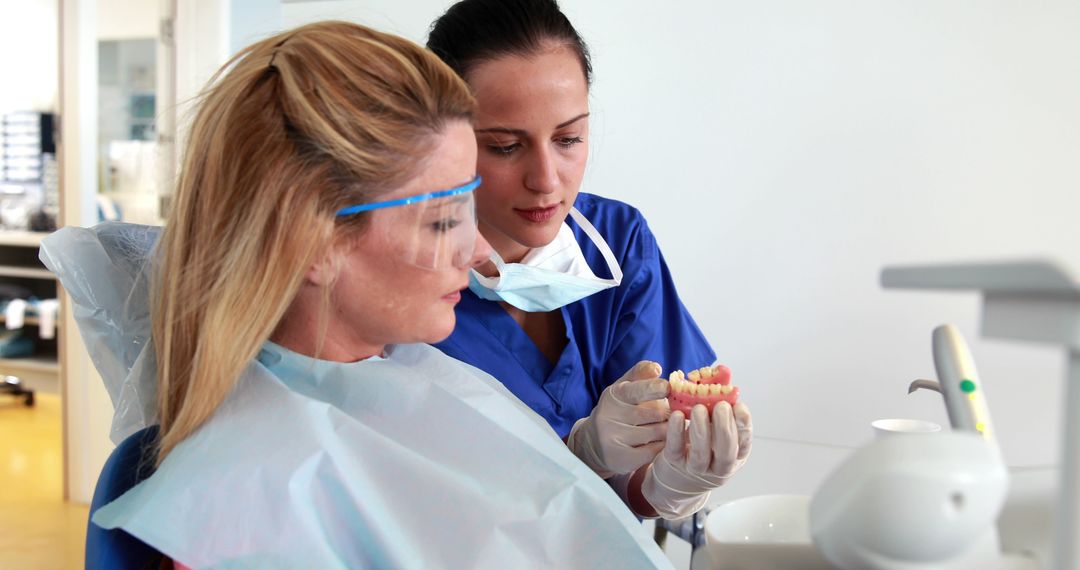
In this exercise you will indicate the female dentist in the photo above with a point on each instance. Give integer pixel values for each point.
(581, 349)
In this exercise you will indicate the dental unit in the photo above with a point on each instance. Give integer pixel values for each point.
(942, 501)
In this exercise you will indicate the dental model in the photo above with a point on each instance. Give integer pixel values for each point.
(708, 386)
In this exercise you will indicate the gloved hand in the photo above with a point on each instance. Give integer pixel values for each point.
(678, 482)
(626, 428)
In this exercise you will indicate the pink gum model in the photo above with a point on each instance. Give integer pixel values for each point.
(707, 386)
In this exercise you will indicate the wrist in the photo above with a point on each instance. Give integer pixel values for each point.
(583, 445)
(667, 502)
(635, 498)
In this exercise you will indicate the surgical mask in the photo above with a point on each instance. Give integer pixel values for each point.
(551, 276)
(436, 230)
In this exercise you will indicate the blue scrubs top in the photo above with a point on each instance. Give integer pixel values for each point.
(607, 333)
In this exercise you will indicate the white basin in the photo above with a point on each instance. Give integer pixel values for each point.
(761, 519)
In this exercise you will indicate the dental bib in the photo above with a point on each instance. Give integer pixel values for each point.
(551, 276)
(410, 461)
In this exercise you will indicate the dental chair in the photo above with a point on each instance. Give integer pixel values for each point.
(128, 464)
(105, 270)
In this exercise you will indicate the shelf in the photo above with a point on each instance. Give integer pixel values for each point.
(38, 373)
(21, 238)
(12, 366)
(30, 272)
(28, 320)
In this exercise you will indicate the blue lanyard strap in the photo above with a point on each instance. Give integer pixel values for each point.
(410, 200)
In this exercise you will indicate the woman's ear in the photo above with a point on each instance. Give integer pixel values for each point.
(324, 270)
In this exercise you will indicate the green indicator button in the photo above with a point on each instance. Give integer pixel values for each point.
(967, 386)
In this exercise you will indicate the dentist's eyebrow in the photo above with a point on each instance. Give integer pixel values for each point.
(522, 133)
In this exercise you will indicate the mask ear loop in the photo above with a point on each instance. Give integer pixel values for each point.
(600, 243)
(589, 229)
(490, 282)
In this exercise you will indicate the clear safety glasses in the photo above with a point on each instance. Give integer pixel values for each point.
(436, 230)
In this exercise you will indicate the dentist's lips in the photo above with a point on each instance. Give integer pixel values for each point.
(538, 215)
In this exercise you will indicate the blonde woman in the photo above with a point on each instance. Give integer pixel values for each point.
(323, 228)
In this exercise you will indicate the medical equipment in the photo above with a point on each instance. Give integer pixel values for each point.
(434, 231)
(959, 383)
(1031, 300)
(909, 500)
(894, 426)
(957, 473)
(913, 502)
(707, 386)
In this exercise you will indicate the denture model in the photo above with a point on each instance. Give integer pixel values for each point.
(708, 386)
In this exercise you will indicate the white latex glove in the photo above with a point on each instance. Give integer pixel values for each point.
(626, 428)
(678, 482)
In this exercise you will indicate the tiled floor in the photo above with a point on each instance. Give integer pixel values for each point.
(37, 528)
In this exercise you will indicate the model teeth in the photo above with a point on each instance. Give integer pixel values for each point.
(707, 386)
(693, 388)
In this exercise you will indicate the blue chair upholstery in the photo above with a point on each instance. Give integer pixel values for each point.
(116, 549)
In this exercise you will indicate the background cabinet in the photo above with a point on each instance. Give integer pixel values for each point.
(19, 265)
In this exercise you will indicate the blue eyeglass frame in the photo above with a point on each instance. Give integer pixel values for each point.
(467, 187)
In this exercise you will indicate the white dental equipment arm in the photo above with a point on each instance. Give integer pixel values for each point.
(964, 396)
(958, 382)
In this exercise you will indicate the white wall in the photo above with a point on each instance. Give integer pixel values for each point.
(208, 33)
(252, 20)
(28, 55)
(785, 151)
(792, 149)
(127, 19)
(87, 409)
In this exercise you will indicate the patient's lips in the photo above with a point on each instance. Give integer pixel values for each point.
(708, 386)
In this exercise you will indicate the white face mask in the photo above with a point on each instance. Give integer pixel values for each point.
(551, 276)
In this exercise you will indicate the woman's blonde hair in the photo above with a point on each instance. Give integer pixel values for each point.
(292, 129)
